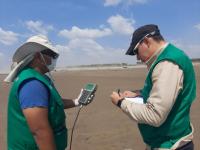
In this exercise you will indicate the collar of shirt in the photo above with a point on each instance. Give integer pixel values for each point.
(153, 58)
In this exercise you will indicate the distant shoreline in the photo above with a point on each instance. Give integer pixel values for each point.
(93, 67)
(99, 67)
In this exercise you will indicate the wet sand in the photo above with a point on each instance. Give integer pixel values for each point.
(101, 125)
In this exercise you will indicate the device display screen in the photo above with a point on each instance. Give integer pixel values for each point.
(89, 87)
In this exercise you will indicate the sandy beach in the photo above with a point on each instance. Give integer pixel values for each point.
(101, 125)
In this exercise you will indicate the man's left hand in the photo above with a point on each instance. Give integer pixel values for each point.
(115, 97)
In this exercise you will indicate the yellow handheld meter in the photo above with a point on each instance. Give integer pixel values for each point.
(87, 93)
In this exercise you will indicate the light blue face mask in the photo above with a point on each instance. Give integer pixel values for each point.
(52, 66)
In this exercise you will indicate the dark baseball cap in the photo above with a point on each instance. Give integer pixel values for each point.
(139, 34)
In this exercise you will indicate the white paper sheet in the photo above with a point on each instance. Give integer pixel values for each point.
(138, 100)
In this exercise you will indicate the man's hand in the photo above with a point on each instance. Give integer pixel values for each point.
(70, 103)
(129, 94)
(115, 97)
(76, 101)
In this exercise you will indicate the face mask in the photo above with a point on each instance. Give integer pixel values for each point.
(52, 66)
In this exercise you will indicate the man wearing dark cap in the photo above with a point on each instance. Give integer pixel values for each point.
(169, 90)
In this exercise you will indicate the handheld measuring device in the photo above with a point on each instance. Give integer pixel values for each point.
(87, 93)
(86, 97)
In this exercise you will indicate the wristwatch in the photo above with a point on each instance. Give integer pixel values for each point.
(120, 102)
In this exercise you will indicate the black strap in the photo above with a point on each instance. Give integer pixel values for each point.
(120, 102)
(188, 146)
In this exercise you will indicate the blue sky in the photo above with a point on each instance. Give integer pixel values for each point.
(96, 31)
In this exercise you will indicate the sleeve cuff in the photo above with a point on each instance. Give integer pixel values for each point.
(123, 104)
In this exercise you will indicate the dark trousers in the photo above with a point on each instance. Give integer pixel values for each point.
(188, 146)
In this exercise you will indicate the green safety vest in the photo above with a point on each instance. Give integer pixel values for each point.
(19, 135)
(177, 123)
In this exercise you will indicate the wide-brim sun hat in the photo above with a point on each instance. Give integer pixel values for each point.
(34, 44)
(25, 54)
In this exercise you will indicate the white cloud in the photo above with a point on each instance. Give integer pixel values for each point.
(192, 50)
(88, 51)
(91, 47)
(111, 2)
(38, 27)
(5, 62)
(82, 47)
(79, 52)
(197, 26)
(8, 37)
(88, 46)
(124, 2)
(76, 32)
(62, 48)
(136, 1)
(1, 56)
(121, 25)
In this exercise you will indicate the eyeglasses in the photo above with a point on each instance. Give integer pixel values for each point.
(135, 50)
(50, 53)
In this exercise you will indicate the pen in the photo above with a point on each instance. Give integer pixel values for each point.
(118, 91)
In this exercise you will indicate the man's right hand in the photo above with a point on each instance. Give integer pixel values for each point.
(129, 94)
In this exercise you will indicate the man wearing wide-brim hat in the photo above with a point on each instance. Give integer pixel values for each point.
(36, 117)
(169, 90)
